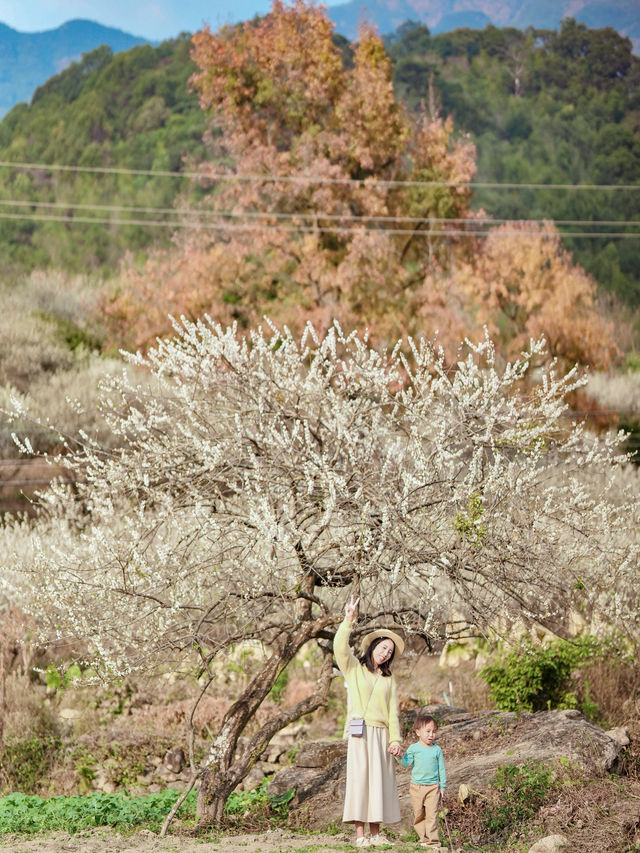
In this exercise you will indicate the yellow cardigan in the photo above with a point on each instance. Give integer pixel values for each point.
(382, 707)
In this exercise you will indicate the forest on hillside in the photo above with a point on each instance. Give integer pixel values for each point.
(542, 107)
(132, 111)
(557, 107)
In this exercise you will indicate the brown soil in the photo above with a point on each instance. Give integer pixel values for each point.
(105, 841)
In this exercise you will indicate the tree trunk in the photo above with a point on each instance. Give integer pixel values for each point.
(222, 770)
(212, 797)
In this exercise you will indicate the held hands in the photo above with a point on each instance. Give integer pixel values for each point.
(396, 750)
(351, 608)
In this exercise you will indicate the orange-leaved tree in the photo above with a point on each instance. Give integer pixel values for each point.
(326, 200)
(524, 285)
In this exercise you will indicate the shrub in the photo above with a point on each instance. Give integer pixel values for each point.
(24, 763)
(535, 678)
(259, 802)
(521, 791)
(31, 738)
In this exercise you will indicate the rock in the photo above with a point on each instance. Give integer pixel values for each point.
(620, 735)
(274, 754)
(253, 778)
(444, 714)
(144, 778)
(550, 844)
(308, 781)
(268, 768)
(174, 760)
(165, 774)
(102, 782)
(464, 794)
(321, 753)
(69, 713)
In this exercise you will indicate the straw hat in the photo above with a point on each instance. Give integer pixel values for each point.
(382, 632)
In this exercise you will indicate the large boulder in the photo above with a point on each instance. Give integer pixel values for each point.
(316, 766)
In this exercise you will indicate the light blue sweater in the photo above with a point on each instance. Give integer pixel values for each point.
(426, 763)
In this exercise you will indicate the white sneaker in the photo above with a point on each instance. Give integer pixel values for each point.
(379, 841)
(363, 842)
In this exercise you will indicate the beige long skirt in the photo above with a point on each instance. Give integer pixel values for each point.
(371, 794)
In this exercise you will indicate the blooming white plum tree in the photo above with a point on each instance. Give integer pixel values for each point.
(257, 476)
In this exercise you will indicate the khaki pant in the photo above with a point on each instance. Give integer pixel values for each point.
(424, 800)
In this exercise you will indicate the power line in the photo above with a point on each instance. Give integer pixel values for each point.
(305, 179)
(230, 226)
(337, 217)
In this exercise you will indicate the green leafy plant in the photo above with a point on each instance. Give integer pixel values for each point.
(258, 800)
(468, 524)
(279, 686)
(30, 814)
(521, 791)
(534, 678)
(57, 679)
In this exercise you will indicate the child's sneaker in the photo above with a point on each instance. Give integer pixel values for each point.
(379, 841)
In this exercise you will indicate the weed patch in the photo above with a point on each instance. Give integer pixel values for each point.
(259, 805)
(25, 763)
(521, 792)
(24, 814)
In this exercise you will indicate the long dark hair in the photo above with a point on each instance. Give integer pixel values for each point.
(367, 659)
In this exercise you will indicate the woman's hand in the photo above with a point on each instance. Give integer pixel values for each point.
(350, 609)
(396, 750)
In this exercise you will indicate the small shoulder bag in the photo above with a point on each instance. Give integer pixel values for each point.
(356, 724)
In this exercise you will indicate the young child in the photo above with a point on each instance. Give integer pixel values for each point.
(428, 780)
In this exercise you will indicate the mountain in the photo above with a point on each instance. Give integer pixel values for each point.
(443, 15)
(28, 59)
(130, 110)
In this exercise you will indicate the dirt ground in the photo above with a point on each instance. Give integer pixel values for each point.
(105, 841)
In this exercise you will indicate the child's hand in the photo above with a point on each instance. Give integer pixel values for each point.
(396, 750)
(350, 609)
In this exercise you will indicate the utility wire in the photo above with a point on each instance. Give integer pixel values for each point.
(338, 217)
(230, 226)
(222, 176)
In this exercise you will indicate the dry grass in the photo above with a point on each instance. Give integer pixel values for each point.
(614, 688)
(600, 815)
(423, 681)
(615, 391)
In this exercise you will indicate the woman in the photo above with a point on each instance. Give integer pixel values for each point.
(371, 795)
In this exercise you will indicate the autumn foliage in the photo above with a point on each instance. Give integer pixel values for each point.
(523, 285)
(326, 199)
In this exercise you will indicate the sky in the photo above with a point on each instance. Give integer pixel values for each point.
(151, 19)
